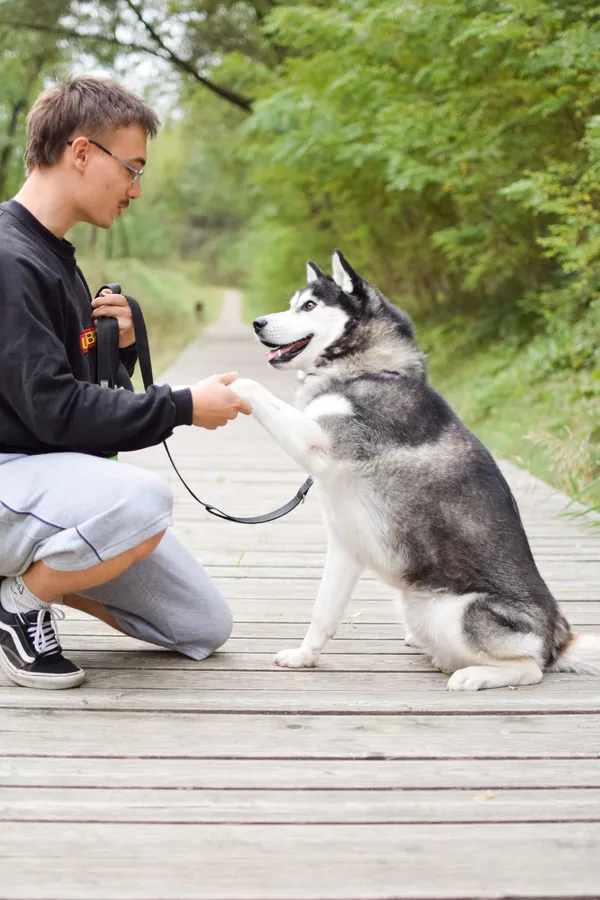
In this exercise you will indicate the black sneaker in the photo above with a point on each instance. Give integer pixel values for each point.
(30, 653)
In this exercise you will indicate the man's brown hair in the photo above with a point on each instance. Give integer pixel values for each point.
(86, 105)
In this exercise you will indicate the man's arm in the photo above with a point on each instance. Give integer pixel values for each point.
(36, 380)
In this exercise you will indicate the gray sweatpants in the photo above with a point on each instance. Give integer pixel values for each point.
(74, 511)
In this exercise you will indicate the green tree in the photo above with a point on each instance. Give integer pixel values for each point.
(26, 57)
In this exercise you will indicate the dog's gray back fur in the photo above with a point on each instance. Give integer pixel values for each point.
(451, 522)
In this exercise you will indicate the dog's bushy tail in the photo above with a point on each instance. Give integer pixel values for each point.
(581, 655)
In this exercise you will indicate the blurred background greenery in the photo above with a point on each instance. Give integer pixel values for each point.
(451, 149)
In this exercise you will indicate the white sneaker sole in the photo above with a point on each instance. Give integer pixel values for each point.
(42, 682)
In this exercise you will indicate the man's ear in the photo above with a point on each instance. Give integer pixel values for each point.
(79, 150)
(343, 274)
(313, 272)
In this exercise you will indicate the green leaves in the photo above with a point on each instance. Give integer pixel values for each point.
(444, 144)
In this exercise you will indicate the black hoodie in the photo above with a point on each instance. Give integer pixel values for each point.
(49, 401)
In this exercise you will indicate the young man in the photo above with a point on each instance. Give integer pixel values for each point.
(75, 526)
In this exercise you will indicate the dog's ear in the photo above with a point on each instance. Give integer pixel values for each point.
(343, 274)
(313, 272)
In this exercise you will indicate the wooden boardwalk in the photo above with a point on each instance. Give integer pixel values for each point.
(165, 779)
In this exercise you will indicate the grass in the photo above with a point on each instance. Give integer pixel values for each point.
(168, 296)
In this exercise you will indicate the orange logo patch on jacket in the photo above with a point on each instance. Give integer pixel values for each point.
(87, 339)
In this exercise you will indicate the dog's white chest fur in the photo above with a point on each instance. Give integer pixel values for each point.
(353, 516)
(329, 405)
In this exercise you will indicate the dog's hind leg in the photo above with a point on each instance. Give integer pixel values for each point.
(340, 574)
(498, 643)
(500, 673)
(298, 434)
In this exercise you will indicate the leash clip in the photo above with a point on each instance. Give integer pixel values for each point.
(304, 489)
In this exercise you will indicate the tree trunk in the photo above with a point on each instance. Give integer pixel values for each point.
(8, 148)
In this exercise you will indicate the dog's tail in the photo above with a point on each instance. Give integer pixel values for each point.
(581, 655)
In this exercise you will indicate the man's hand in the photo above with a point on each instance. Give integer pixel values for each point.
(116, 305)
(215, 404)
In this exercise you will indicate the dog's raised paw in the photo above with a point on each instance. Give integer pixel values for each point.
(295, 659)
(246, 388)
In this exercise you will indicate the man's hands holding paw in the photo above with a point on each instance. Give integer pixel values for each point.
(215, 403)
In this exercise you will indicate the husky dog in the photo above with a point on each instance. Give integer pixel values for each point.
(408, 492)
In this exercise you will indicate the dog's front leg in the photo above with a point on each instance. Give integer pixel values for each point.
(295, 432)
(340, 574)
(409, 638)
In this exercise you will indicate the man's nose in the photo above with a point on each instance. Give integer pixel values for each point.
(134, 191)
(259, 324)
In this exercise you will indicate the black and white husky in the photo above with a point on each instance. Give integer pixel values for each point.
(408, 492)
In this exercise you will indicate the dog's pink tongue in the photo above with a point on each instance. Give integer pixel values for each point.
(273, 353)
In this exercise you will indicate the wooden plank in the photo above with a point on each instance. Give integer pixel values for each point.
(196, 806)
(112, 641)
(354, 628)
(264, 612)
(245, 660)
(475, 775)
(416, 675)
(271, 862)
(225, 661)
(93, 733)
(405, 700)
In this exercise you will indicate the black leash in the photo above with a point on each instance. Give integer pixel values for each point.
(112, 373)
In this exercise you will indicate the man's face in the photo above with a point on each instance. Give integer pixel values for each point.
(104, 187)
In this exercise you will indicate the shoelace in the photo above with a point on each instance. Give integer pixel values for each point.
(43, 630)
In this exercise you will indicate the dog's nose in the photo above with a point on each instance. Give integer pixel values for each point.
(258, 324)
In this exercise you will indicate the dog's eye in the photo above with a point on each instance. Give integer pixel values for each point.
(310, 304)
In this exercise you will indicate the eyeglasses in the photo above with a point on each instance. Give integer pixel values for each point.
(137, 173)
